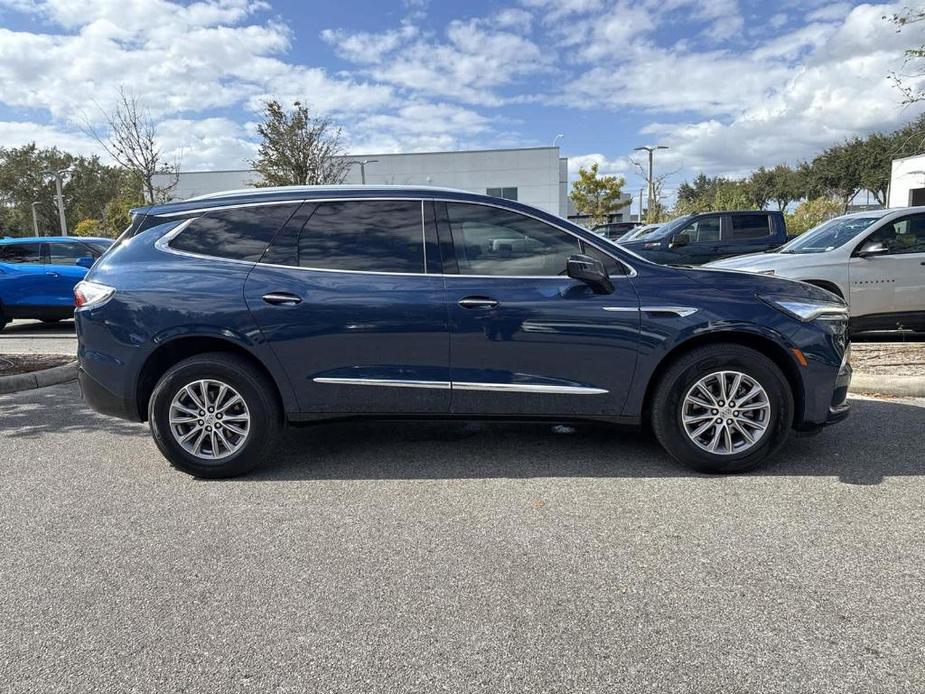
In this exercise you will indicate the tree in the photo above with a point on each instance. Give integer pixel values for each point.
(812, 213)
(131, 140)
(297, 148)
(909, 82)
(761, 187)
(699, 195)
(786, 185)
(877, 152)
(837, 171)
(599, 197)
(733, 195)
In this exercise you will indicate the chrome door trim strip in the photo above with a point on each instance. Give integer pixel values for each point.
(464, 385)
(389, 382)
(680, 311)
(528, 388)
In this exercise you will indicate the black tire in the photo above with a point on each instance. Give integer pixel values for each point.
(668, 398)
(258, 393)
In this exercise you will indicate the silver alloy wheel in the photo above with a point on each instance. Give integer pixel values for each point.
(726, 412)
(209, 419)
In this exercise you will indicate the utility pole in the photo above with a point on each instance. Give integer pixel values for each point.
(640, 205)
(60, 195)
(650, 180)
(35, 219)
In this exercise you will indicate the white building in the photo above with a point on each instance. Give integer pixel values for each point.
(536, 176)
(907, 182)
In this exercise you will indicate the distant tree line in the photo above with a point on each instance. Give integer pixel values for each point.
(824, 186)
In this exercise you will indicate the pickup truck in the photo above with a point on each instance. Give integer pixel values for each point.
(701, 238)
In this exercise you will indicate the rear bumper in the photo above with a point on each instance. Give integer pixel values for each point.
(103, 400)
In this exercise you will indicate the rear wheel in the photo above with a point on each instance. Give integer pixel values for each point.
(214, 415)
(722, 409)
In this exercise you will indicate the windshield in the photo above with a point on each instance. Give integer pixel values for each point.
(667, 229)
(828, 235)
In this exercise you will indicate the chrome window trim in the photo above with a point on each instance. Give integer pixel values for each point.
(465, 385)
(199, 211)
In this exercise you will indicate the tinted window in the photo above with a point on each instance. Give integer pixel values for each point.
(491, 241)
(750, 226)
(242, 233)
(906, 235)
(370, 235)
(99, 246)
(701, 231)
(21, 254)
(614, 267)
(66, 253)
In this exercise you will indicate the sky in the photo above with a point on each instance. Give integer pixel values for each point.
(726, 85)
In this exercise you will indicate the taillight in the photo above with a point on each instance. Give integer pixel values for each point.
(88, 294)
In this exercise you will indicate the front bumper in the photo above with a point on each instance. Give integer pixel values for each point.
(838, 408)
(103, 400)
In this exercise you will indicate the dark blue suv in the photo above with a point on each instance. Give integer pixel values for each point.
(222, 319)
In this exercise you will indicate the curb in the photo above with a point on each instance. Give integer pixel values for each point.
(38, 379)
(870, 384)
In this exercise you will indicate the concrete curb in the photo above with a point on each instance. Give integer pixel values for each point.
(870, 384)
(38, 379)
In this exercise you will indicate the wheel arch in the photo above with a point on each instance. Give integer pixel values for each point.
(757, 341)
(179, 348)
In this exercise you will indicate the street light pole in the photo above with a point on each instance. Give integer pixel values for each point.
(59, 191)
(363, 168)
(650, 180)
(555, 140)
(35, 219)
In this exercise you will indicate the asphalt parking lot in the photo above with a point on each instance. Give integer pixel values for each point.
(421, 557)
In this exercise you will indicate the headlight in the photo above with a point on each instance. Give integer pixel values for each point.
(89, 294)
(808, 309)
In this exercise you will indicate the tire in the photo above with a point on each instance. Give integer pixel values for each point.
(774, 409)
(258, 415)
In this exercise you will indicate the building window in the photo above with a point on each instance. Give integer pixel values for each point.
(506, 193)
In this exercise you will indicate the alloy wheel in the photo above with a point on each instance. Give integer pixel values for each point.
(209, 419)
(726, 413)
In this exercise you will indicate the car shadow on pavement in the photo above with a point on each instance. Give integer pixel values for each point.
(36, 328)
(881, 439)
(34, 413)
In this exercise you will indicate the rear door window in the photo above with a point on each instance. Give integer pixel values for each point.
(750, 226)
(241, 233)
(66, 253)
(364, 235)
(21, 254)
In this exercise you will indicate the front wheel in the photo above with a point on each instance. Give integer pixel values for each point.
(722, 408)
(214, 415)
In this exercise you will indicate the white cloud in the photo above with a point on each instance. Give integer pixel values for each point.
(609, 167)
(365, 47)
(18, 133)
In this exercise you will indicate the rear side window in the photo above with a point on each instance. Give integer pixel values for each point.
(66, 253)
(21, 254)
(703, 230)
(750, 226)
(241, 233)
(368, 235)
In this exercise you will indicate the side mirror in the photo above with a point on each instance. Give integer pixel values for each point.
(86, 261)
(590, 271)
(869, 249)
(678, 241)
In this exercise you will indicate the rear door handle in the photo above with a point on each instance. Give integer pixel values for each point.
(478, 302)
(282, 299)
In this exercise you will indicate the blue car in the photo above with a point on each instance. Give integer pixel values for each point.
(38, 274)
(221, 320)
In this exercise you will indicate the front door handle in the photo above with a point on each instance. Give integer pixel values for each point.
(282, 299)
(478, 302)
(52, 274)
